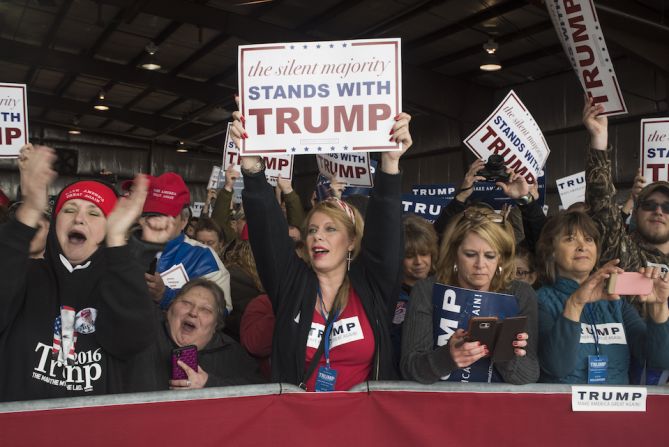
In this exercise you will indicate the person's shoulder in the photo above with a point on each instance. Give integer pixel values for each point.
(521, 288)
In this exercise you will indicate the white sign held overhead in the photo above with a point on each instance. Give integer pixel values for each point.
(320, 97)
(580, 33)
(571, 189)
(275, 165)
(13, 119)
(351, 169)
(655, 149)
(510, 131)
(216, 178)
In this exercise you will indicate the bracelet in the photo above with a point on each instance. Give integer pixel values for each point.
(464, 189)
(525, 200)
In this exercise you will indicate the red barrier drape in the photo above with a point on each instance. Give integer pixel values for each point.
(388, 418)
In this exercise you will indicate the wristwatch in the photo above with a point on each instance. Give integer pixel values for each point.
(525, 200)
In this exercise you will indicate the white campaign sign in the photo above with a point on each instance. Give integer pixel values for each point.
(608, 398)
(216, 178)
(317, 97)
(571, 189)
(655, 149)
(196, 209)
(510, 131)
(275, 165)
(13, 119)
(580, 33)
(351, 169)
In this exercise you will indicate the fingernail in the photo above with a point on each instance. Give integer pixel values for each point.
(246, 135)
(392, 131)
(391, 139)
(243, 120)
(397, 118)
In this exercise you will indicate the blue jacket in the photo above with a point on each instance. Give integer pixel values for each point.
(564, 345)
(199, 261)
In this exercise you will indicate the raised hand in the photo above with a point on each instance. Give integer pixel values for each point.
(516, 187)
(126, 212)
(596, 124)
(36, 170)
(157, 229)
(399, 134)
(467, 186)
(231, 175)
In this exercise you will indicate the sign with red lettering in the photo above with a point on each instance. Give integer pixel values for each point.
(510, 131)
(655, 149)
(320, 97)
(275, 165)
(13, 119)
(351, 169)
(580, 33)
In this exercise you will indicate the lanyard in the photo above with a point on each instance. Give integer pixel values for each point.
(593, 326)
(328, 328)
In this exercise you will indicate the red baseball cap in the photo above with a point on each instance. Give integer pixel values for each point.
(168, 194)
(95, 192)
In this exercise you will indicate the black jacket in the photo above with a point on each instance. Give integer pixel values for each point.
(224, 360)
(291, 284)
(31, 296)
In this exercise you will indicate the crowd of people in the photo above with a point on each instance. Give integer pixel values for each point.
(103, 288)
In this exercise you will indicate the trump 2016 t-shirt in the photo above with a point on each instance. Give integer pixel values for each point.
(351, 345)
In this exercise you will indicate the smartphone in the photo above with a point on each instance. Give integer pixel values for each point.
(188, 355)
(510, 328)
(483, 330)
(629, 283)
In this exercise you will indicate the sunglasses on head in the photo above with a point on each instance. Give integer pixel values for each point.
(479, 214)
(651, 205)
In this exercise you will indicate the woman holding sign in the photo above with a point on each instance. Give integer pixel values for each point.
(332, 312)
(587, 334)
(476, 255)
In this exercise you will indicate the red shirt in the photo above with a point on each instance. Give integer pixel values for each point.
(351, 346)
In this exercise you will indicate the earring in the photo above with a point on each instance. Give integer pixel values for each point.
(499, 269)
(455, 268)
(348, 261)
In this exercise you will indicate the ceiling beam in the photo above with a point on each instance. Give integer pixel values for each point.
(469, 21)
(21, 53)
(145, 120)
(478, 49)
(398, 19)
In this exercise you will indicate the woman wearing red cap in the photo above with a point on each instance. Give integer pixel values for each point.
(68, 319)
(332, 320)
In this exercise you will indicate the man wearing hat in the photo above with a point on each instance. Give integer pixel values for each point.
(648, 245)
(162, 243)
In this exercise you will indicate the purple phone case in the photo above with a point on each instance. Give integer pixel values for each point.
(188, 355)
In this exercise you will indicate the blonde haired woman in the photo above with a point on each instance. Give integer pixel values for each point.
(477, 252)
(332, 321)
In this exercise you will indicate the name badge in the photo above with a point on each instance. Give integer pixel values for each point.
(597, 365)
(326, 379)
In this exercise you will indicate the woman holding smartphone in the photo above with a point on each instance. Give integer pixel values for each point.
(332, 311)
(190, 334)
(476, 253)
(586, 334)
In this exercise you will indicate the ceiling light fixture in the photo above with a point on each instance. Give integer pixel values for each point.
(151, 63)
(75, 130)
(181, 147)
(490, 60)
(100, 102)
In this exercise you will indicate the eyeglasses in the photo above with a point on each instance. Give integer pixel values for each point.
(479, 214)
(650, 205)
(523, 273)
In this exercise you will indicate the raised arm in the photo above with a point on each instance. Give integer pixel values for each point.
(35, 167)
(600, 193)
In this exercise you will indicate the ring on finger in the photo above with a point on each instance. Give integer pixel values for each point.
(187, 383)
